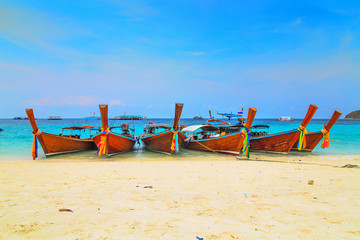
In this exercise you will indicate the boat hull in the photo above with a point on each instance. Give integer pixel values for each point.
(229, 144)
(277, 143)
(116, 143)
(312, 139)
(162, 142)
(53, 144)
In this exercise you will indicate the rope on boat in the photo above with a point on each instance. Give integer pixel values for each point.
(214, 151)
(326, 139)
(245, 149)
(302, 138)
(35, 144)
(102, 144)
(175, 140)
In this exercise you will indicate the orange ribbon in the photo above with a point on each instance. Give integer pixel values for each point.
(35, 144)
(102, 144)
(326, 139)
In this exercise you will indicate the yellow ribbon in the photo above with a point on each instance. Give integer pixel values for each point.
(102, 144)
(302, 138)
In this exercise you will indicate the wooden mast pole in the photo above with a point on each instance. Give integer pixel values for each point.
(310, 113)
(336, 115)
(249, 120)
(104, 119)
(30, 114)
(178, 110)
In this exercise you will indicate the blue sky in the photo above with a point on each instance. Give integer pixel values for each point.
(66, 57)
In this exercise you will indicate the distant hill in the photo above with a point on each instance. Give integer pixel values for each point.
(353, 115)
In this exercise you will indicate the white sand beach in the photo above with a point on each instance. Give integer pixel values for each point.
(210, 198)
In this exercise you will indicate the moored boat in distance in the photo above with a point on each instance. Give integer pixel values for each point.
(129, 117)
(162, 138)
(57, 144)
(285, 119)
(281, 142)
(217, 138)
(54, 118)
(109, 142)
(313, 138)
(20, 118)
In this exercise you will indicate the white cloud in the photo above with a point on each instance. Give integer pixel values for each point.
(220, 50)
(196, 53)
(116, 102)
(63, 100)
(30, 28)
(207, 82)
(297, 22)
(199, 53)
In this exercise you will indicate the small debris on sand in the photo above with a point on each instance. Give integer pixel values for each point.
(350, 166)
(65, 210)
(311, 182)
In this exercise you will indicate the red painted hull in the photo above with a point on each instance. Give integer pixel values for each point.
(277, 143)
(312, 139)
(53, 144)
(227, 144)
(161, 142)
(116, 143)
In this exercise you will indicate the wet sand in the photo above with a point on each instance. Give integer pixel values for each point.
(217, 197)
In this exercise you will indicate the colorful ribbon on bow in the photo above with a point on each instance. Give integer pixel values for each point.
(35, 144)
(245, 149)
(302, 138)
(102, 144)
(326, 139)
(174, 142)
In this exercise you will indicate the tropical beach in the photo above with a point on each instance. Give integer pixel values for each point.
(176, 119)
(188, 194)
(214, 197)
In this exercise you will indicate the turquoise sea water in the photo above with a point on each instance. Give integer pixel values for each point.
(16, 139)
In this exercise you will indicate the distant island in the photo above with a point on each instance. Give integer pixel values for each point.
(353, 115)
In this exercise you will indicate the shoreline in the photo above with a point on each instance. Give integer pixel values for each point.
(212, 197)
(257, 156)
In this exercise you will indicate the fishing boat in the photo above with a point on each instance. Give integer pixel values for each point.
(281, 142)
(313, 138)
(54, 118)
(110, 142)
(197, 117)
(129, 117)
(227, 118)
(162, 138)
(285, 118)
(219, 138)
(20, 118)
(56, 144)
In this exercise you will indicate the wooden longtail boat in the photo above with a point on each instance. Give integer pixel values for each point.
(56, 144)
(281, 142)
(222, 142)
(313, 138)
(111, 143)
(164, 139)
